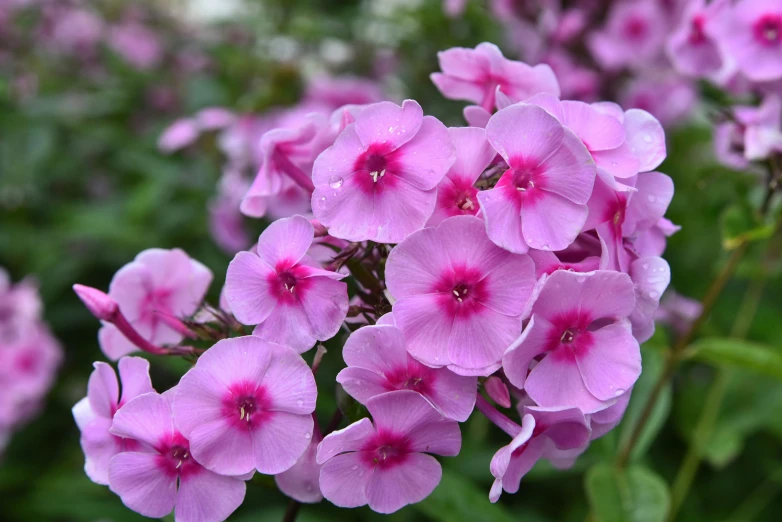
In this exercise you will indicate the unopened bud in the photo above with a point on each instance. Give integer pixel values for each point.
(98, 303)
(497, 390)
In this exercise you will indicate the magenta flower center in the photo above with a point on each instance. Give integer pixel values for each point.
(464, 202)
(568, 336)
(246, 405)
(635, 28)
(415, 376)
(375, 165)
(386, 450)
(287, 280)
(768, 29)
(175, 458)
(524, 178)
(461, 291)
(697, 36)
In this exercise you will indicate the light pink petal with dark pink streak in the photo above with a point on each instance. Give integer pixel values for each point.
(533, 341)
(113, 344)
(466, 244)
(286, 240)
(612, 364)
(289, 382)
(454, 395)
(103, 390)
(247, 288)
(351, 438)
(501, 210)
(362, 384)
(387, 122)
(147, 418)
(570, 171)
(426, 158)
(207, 496)
(339, 160)
(524, 131)
(567, 428)
(552, 222)
(142, 485)
(411, 481)
(509, 284)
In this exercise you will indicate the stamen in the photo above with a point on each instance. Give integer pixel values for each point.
(467, 204)
(567, 337)
(241, 413)
(375, 175)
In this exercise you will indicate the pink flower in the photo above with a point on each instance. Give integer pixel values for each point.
(542, 432)
(540, 201)
(456, 194)
(651, 276)
(301, 482)
(247, 405)
(605, 420)
(475, 75)
(378, 179)
(137, 44)
(633, 35)
(163, 475)
(20, 305)
(691, 47)
(378, 363)
(751, 33)
(579, 326)
(153, 292)
(458, 296)
(95, 412)
(285, 292)
(180, 134)
(226, 222)
(669, 97)
(678, 311)
(343, 90)
(386, 465)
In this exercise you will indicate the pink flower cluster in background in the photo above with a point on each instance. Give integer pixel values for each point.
(29, 355)
(520, 256)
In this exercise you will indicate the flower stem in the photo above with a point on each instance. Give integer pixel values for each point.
(674, 355)
(499, 419)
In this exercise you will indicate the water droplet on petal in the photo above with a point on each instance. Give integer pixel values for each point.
(300, 402)
(436, 357)
(651, 198)
(619, 392)
(653, 294)
(646, 266)
(335, 182)
(354, 468)
(647, 138)
(308, 436)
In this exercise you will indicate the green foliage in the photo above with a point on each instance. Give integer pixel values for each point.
(636, 494)
(738, 353)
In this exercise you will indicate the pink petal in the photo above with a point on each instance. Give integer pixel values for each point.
(552, 222)
(302, 481)
(134, 375)
(598, 131)
(403, 412)
(351, 438)
(142, 485)
(651, 276)
(345, 211)
(475, 115)
(480, 340)
(325, 303)
(613, 364)
(247, 288)
(502, 216)
(113, 344)
(605, 294)
(103, 390)
(416, 264)
(649, 204)
(523, 81)
(289, 382)
(279, 441)
(285, 240)
(289, 326)
(344, 479)
(380, 349)
(400, 212)
(387, 122)
(222, 447)
(646, 138)
(425, 327)
(463, 63)
(207, 496)
(393, 488)
(147, 418)
(524, 131)
(556, 383)
(339, 160)
(82, 413)
(566, 428)
(532, 342)
(362, 384)
(473, 152)
(454, 395)
(619, 162)
(99, 446)
(570, 171)
(186, 298)
(465, 243)
(233, 360)
(426, 158)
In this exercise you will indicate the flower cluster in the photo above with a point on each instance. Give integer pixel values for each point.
(519, 257)
(29, 355)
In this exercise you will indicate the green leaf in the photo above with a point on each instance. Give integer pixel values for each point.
(458, 499)
(652, 368)
(740, 354)
(633, 495)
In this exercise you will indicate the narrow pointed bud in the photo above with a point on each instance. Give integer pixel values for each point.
(320, 230)
(98, 303)
(497, 391)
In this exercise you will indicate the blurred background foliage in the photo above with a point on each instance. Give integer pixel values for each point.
(83, 188)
